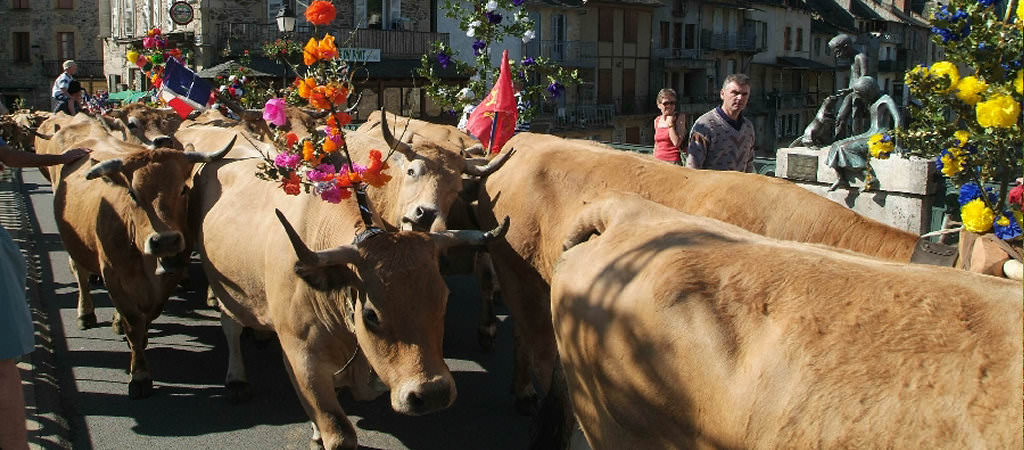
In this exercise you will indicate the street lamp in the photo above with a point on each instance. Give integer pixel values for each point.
(286, 18)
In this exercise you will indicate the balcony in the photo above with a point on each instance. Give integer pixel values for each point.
(235, 37)
(585, 116)
(677, 53)
(567, 53)
(743, 41)
(86, 68)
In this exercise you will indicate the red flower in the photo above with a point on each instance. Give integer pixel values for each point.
(1014, 196)
(320, 12)
(290, 139)
(291, 184)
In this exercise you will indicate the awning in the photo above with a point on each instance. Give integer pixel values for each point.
(127, 96)
(225, 68)
(796, 62)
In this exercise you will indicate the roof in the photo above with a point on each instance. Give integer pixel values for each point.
(796, 62)
(227, 67)
(832, 13)
(863, 11)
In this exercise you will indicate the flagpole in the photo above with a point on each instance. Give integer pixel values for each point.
(494, 126)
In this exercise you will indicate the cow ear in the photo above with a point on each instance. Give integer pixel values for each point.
(325, 277)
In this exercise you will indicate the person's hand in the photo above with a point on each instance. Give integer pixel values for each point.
(74, 155)
(668, 121)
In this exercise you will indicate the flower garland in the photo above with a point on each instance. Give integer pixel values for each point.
(970, 122)
(320, 165)
(153, 56)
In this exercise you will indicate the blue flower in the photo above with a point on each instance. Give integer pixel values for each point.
(982, 46)
(478, 47)
(528, 61)
(444, 59)
(1005, 226)
(938, 162)
(959, 14)
(986, 3)
(968, 192)
(493, 17)
(966, 30)
(555, 89)
(518, 2)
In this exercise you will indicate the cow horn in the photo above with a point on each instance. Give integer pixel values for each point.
(489, 168)
(356, 104)
(456, 238)
(105, 168)
(43, 135)
(198, 157)
(335, 256)
(385, 130)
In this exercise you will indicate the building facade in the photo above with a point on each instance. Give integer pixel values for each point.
(38, 36)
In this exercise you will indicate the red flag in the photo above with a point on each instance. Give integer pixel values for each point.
(496, 115)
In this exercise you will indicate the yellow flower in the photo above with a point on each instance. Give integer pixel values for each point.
(948, 69)
(1017, 84)
(311, 52)
(977, 216)
(968, 88)
(998, 111)
(880, 145)
(919, 71)
(961, 137)
(952, 163)
(1020, 17)
(133, 55)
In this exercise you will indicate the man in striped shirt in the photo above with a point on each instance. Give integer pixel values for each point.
(722, 139)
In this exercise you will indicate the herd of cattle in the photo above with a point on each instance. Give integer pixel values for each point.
(658, 306)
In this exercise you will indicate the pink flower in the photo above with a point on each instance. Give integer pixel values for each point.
(1014, 197)
(334, 137)
(273, 111)
(287, 160)
(332, 194)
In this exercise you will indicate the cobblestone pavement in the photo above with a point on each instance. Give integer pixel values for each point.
(47, 426)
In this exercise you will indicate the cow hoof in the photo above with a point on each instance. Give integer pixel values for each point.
(117, 326)
(238, 392)
(140, 389)
(527, 406)
(212, 302)
(87, 321)
(485, 338)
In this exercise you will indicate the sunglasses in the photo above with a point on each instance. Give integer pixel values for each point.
(668, 103)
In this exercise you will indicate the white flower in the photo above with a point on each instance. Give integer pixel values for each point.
(491, 6)
(471, 32)
(528, 36)
(466, 94)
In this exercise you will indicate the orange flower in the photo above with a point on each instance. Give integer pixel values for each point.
(329, 146)
(319, 98)
(373, 175)
(326, 48)
(339, 119)
(306, 87)
(290, 139)
(308, 151)
(291, 185)
(297, 82)
(320, 12)
(311, 52)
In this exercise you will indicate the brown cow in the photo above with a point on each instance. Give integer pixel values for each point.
(18, 129)
(678, 331)
(212, 127)
(129, 227)
(543, 189)
(370, 305)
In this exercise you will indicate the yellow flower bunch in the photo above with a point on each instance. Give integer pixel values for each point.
(999, 110)
(969, 88)
(952, 161)
(880, 145)
(1018, 84)
(949, 70)
(977, 216)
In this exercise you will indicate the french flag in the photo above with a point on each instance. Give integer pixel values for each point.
(182, 89)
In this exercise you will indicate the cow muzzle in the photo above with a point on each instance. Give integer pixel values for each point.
(420, 218)
(166, 243)
(163, 141)
(416, 399)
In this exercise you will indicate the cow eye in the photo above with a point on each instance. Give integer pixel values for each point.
(410, 172)
(371, 320)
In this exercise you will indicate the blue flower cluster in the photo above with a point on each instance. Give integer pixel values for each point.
(444, 59)
(1008, 231)
(556, 89)
(478, 47)
(951, 34)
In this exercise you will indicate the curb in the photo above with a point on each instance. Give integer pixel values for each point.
(45, 421)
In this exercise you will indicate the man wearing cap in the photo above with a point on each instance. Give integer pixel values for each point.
(60, 92)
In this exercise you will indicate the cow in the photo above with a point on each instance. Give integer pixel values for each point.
(212, 127)
(679, 331)
(122, 214)
(366, 310)
(540, 192)
(19, 128)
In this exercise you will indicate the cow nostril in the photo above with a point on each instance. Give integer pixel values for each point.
(162, 141)
(425, 215)
(415, 401)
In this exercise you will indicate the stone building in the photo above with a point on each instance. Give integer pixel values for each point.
(38, 35)
(388, 37)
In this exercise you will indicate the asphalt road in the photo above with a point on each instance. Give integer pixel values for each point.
(77, 380)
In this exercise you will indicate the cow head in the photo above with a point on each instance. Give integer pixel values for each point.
(389, 289)
(429, 180)
(152, 127)
(155, 184)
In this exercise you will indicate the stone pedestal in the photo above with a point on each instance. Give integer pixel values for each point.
(902, 196)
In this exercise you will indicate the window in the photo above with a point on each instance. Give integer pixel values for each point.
(19, 4)
(605, 25)
(799, 39)
(21, 47)
(691, 36)
(629, 101)
(663, 36)
(629, 26)
(65, 46)
(604, 86)
(679, 8)
(785, 39)
(65, 4)
(817, 46)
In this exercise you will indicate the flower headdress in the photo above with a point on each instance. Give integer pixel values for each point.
(321, 165)
(153, 56)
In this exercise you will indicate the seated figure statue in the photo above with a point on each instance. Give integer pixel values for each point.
(819, 132)
(848, 157)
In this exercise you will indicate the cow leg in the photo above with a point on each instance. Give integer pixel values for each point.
(211, 298)
(487, 331)
(117, 323)
(315, 387)
(86, 309)
(136, 327)
(236, 380)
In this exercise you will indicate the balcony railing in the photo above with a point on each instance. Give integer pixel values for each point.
(585, 116)
(743, 41)
(680, 53)
(86, 68)
(569, 53)
(234, 37)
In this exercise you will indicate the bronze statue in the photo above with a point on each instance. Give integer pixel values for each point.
(849, 156)
(820, 132)
(853, 106)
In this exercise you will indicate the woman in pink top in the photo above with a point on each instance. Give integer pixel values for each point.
(668, 128)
